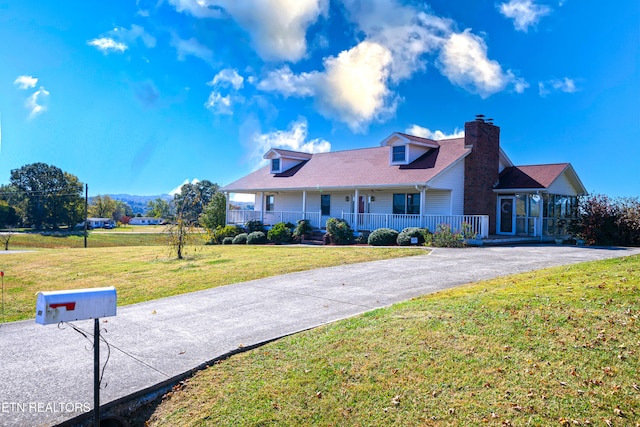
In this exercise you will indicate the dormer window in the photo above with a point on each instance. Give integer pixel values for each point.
(398, 154)
(275, 165)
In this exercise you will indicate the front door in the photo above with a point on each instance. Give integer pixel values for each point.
(506, 215)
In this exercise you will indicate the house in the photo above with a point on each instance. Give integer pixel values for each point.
(418, 182)
(99, 223)
(145, 220)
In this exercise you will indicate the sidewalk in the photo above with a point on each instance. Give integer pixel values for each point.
(46, 373)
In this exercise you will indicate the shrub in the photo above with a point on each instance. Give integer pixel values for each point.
(363, 238)
(254, 225)
(227, 241)
(606, 221)
(257, 238)
(383, 237)
(339, 231)
(240, 239)
(444, 237)
(303, 227)
(404, 238)
(221, 233)
(280, 233)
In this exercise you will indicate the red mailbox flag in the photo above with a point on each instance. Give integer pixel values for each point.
(1, 273)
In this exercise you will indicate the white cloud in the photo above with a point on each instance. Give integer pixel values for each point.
(437, 135)
(107, 44)
(463, 60)
(295, 138)
(277, 27)
(351, 89)
(26, 82)
(565, 85)
(219, 104)
(525, 13)
(132, 34)
(193, 48)
(36, 103)
(227, 77)
(178, 189)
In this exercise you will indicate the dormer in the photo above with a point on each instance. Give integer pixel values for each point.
(283, 160)
(404, 149)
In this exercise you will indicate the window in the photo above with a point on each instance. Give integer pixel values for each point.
(406, 204)
(269, 202)
(398, 154)
(275, 165)
(325, 204)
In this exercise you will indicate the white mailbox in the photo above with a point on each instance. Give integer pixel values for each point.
(77, 304)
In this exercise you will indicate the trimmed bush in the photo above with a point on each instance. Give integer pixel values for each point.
(303, 228)
(404, 238)
(383, 237)
(254, 225)
(227, 231)
(240, 239)
(363, 238)
(257, 238)
(227, 241)
(339, 231)
(280, 233)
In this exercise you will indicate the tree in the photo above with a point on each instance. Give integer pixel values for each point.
(102, 207)
(159, 208)
(193, 198)
(215, 214)
(8, 215)
(123, 211)
(52, 197)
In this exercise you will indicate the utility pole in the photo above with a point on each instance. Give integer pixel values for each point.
(86, 210)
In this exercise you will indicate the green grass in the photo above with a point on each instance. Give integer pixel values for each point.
(143, 273)
(554, 347)
(96, 239)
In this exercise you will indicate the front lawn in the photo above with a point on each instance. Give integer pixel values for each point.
(556, 347)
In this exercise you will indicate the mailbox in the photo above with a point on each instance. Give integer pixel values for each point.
(78, 304)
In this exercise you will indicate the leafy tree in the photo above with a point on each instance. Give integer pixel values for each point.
(123, 210)
(215, 214)
(51, 197)
(159, 208)
(193, 198)
(102, 207)
(8, 215)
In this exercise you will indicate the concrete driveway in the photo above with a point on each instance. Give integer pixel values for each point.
(46, 373)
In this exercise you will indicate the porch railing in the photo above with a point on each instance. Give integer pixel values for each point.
(477, 224)
(273, 217)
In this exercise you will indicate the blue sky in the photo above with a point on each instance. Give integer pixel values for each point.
(139, 97)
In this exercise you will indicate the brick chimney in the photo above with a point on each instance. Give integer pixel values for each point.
(481, 168)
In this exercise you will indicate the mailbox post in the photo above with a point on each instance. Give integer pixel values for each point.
(80, 304)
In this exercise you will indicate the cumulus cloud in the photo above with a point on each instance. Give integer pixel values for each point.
(437, 135)
(36, 103)
(227, 77)
(525, 13)
(351, 89)
(565, 85)
(107, 44)
(191, 47)
(463, 60)
(132, 35)
(226, 80)
(277, 27)
(295, 138)
(26, 82)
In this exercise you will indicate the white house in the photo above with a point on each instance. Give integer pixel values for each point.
(413, 181)
(145, 220)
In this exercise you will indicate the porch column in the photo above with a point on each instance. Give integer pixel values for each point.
(262, 203)
(226, 208)
(423, 204)
(356, 208)
(304, 204)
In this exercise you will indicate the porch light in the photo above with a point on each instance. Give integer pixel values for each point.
(346, 199)
(372, 199)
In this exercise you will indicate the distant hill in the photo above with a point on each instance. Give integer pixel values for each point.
(139, 203)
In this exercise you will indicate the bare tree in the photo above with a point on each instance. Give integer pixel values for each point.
(5, 237)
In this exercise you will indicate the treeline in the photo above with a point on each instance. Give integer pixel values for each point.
(42, 196)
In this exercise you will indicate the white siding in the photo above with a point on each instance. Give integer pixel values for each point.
(453, 180)
(438, 202)
(563, 186)
(287, 202)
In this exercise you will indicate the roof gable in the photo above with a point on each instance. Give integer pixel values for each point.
(538, 177)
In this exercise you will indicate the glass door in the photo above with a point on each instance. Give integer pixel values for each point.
(506, 215)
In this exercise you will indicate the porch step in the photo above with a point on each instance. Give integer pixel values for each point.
(315, 238)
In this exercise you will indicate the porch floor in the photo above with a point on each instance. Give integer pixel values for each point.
(500, 239)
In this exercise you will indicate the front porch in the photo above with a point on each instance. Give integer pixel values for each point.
(476, 224)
